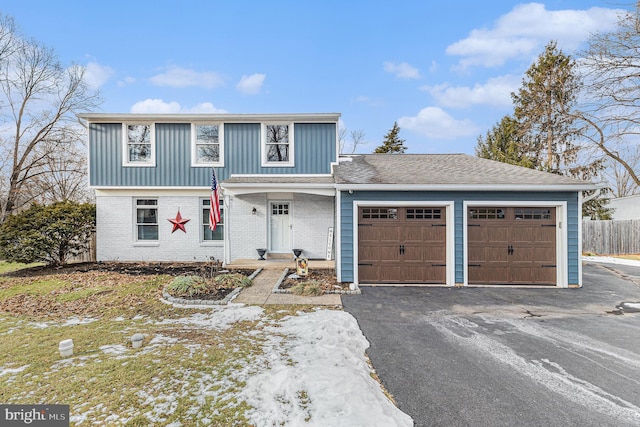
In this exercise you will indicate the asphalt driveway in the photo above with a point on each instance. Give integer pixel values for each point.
(507, 357)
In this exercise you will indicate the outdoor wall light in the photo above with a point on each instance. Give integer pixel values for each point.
(254, 210)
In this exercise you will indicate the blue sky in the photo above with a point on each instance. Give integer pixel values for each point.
(442, 69)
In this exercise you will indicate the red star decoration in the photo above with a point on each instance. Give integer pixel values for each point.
(178, 222)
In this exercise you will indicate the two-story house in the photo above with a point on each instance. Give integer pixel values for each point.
(449, 219)
(275, 173)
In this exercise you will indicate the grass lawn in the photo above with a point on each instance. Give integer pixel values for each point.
(7, 267)
(186, 371)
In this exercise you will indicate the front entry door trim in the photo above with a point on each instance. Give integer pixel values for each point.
(280, 229)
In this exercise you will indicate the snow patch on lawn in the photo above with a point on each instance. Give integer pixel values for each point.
(114, 349)
(220, 318)
(314, 372)
(73, 321)
(8, 371)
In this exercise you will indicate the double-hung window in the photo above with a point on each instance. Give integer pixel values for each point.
(146, 220)
(209, 235)
(139, 144)
(207, 144)
(277, 144)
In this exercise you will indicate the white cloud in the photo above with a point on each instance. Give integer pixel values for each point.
(158, 106)
(368, 101)
(184, 77)
(435, 123)
(205, 107)
(126, 81)
(496, 91)
(251, 85)
(523, 32)
(96, 75)
(402, 70)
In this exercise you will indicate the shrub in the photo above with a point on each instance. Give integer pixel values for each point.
(232, 280)
(49, 234)
(308, 288)
(187, 286)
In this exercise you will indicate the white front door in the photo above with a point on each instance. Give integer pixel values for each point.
(280, 226)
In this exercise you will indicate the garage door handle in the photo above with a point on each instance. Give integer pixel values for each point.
(475, 265)
(401, 249)
(510, 250)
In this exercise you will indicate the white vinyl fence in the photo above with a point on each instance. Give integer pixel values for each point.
(611, 237)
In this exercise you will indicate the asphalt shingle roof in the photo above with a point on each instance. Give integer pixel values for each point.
(441, 169)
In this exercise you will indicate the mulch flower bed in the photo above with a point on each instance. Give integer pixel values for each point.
(325, 278)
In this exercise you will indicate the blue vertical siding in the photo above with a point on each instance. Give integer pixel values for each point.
(173, 155)
(346, 223)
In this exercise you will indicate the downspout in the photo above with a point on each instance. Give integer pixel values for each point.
(227, 226)
(592, 196)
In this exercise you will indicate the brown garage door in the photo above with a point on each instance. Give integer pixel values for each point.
(402, 245)
(511, 245)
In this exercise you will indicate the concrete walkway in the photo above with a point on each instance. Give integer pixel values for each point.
(263, 283)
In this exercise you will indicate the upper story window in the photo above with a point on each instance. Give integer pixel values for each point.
(207, 144)
(277, 144)
(139, 144)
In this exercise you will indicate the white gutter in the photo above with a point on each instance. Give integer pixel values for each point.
(238, 118)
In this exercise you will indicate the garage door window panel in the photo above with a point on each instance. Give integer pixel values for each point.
(380, 213)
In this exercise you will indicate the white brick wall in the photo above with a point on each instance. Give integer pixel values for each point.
(115, 235)
(248, 232)
(312, 217)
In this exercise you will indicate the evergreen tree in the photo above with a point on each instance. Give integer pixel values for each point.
(544, 110)
(48, 234)
(543, 131)
(392, 143)
(504, 144)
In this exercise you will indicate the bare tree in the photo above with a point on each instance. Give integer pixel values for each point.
(62, 176)
(342, 137)
(7, 36)
(611, 68)
(356, 137)
(39, 99)
(620, 182)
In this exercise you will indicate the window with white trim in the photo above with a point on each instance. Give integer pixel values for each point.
(138, 144)
(146, 220)
(209, 235)
(277, 144)
(207, 144)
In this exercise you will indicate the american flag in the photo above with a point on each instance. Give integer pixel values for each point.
(214, 211)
